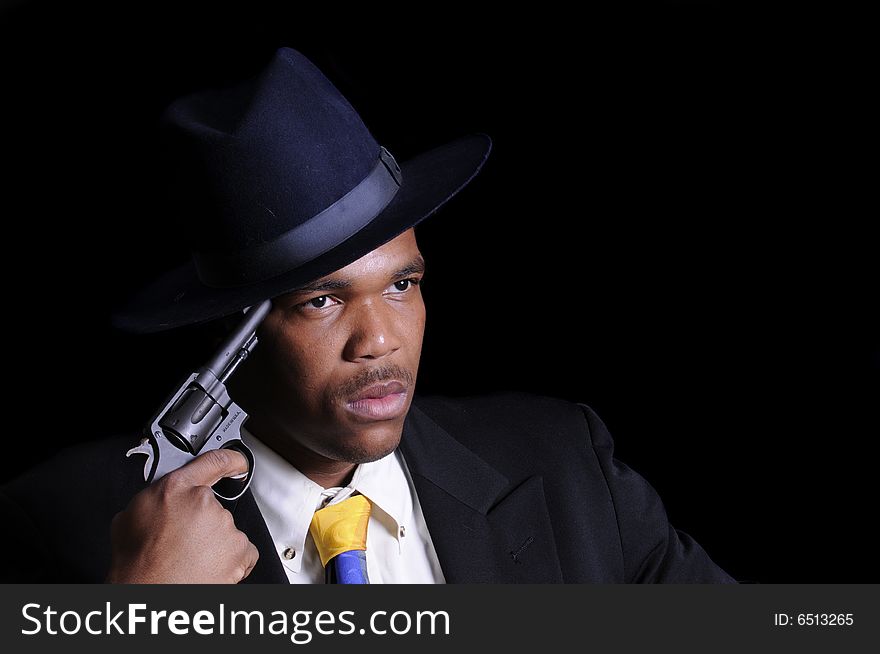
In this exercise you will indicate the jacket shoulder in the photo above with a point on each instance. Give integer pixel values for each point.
(504, 408)
(596, 502)
(524, 423)
(73, 469)
(63, 507)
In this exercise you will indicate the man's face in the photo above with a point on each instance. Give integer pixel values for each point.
(336, 365)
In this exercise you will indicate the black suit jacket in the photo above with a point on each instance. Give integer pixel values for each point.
(514, 488)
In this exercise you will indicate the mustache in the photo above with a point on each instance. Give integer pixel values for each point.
(373, 376)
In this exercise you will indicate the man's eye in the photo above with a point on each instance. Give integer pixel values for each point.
(318, 302)
(405, 284)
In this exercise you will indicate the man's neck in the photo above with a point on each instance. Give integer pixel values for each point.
(325, 472)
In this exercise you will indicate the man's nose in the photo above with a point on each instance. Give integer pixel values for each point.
(374, 333)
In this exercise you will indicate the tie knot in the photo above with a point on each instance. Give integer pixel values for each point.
(341, 527)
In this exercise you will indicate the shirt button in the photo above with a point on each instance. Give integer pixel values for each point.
(402, 531)
(289, 553)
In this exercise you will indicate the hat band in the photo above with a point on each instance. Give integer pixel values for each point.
(324, 231)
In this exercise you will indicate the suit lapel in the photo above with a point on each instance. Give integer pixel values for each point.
(485, 529)
(249, 520)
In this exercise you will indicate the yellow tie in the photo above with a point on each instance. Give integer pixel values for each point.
(340, 534)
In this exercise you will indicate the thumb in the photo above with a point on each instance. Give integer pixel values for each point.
(210, 467)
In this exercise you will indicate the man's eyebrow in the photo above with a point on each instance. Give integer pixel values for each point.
(416, 266)
(323, 285)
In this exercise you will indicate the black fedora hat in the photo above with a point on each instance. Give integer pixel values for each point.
(280, 183)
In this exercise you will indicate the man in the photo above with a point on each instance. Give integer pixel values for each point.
(289, 197)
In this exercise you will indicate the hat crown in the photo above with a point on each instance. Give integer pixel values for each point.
(279, 183)
(256, 160)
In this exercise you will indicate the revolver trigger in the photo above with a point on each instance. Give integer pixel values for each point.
(146, 447)
(143, 447)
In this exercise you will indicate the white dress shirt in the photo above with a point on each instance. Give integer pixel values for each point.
(399, 547)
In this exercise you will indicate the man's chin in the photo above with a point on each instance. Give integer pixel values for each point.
(368, 444)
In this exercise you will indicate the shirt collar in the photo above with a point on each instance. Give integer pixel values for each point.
(384, 483)
(288, 499)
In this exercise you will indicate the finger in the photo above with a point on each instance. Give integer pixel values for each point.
(210, 467)
(253, 555)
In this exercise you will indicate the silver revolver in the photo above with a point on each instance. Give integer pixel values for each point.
(200, 416)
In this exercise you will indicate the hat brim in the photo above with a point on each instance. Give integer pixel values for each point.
(179, 297)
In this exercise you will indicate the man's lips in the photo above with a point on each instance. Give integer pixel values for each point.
(379, 391)
(380, 402)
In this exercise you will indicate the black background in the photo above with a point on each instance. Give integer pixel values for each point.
(671, 229)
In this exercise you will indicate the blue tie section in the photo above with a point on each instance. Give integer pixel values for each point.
(350, 568)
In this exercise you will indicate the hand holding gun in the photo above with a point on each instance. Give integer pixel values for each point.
(175, 530)
(200, 416)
